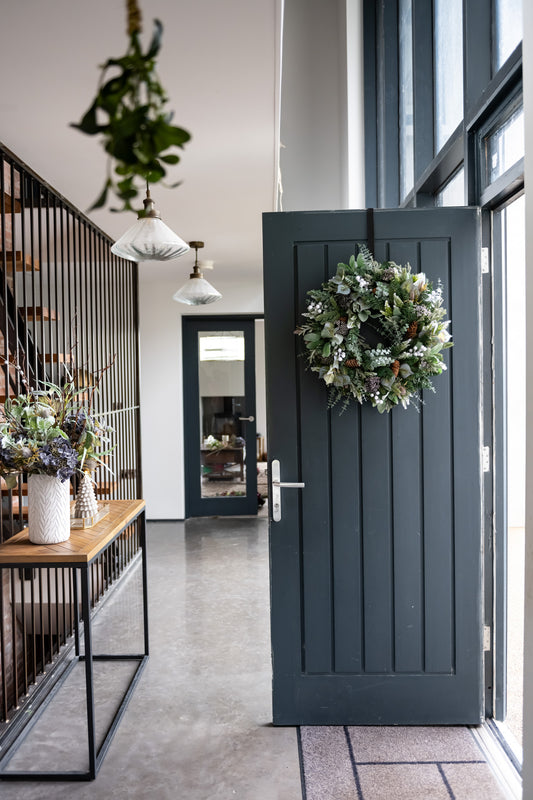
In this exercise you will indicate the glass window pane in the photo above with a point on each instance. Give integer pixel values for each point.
(222, 404)
(453, 192)
(448, 68)
(507, 29)
(504, 146)
(407, 173)
(513, 235)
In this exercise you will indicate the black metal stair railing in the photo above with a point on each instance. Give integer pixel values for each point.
(68, 306)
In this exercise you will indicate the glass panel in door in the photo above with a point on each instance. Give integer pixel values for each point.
(223, 423)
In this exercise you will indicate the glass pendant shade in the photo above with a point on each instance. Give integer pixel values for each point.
(149, 239)
(197, 292)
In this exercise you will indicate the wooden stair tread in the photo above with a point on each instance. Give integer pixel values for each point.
(39, 313)
(11, 204)
(61, 358)
(21, 264)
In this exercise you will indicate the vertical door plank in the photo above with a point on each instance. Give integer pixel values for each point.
(316, 474)
(377, 540)
(438, 498)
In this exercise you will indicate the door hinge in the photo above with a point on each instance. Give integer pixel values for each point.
(484, 260)
(486, 638)
(485, 459)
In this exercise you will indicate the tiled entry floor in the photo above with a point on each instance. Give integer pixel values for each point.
(404, 763)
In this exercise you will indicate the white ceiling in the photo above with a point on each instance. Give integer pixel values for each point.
(218, 65)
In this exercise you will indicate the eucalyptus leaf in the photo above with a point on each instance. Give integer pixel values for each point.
(129, 114)
(10, 480)
(102, 198)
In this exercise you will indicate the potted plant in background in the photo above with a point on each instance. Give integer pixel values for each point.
(50, 436)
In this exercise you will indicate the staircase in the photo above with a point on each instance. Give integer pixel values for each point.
(66, 303)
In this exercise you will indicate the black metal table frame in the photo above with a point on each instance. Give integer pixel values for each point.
(96, 755)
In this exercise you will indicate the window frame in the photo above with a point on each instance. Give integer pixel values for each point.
(485, 97)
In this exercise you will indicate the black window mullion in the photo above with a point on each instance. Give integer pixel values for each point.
(370, 101)
(476, 50)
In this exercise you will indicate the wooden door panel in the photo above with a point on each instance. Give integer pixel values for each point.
(376, 596)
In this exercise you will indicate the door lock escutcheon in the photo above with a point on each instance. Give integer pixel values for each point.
(277, 486)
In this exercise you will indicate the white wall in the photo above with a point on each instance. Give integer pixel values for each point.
(313, 106)
(527, 49)
(319, 122)
(162, 382)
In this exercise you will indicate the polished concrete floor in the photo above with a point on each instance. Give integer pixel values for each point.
(198, 725)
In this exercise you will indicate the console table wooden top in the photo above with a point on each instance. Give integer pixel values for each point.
(82, 547)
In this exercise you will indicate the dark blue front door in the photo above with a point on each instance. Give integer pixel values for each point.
(376, 563)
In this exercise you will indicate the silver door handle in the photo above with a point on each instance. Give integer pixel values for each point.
(246, 419)
(277, 486)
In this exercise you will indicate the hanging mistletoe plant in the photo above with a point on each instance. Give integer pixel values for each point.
(129, 114)
(375, 332)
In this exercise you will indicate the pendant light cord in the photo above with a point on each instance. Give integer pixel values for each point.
(134, 17)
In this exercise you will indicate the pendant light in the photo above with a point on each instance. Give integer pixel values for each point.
(197, 291)
(149, 239)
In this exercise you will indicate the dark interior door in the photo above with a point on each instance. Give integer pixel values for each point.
(219, 416)
(376, 563)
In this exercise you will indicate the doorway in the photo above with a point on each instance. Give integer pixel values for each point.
(222, 445)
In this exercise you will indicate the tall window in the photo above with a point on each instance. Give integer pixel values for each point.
(407, 169)
(448, 33)
(507, 15)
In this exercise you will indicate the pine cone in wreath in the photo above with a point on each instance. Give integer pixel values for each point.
(372, 384)
(395, 367)
(412, 330)
(342, 327)
(352, 363)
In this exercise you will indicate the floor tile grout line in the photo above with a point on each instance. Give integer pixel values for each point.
(446, 783)
(416, 763)
(354, 765)
(301, 759)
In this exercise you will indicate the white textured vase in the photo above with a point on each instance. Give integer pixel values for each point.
(48, 509)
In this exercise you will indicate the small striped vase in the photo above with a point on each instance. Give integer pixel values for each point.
(48, 509)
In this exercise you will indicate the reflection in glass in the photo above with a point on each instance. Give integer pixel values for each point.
(453, 192)
(407, 175)
(504, 146)
(448, 68)
(508, 29)
(222, 403)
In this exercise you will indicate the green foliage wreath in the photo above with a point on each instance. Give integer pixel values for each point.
(375, 332)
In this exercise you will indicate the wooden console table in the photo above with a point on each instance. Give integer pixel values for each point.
(78, 553)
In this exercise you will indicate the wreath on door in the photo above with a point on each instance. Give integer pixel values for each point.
(375, 332)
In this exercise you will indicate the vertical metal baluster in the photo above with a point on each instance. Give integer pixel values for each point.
(5, 707)
(33, 635)
(15, 692)
(41, 618)
(24, 631)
